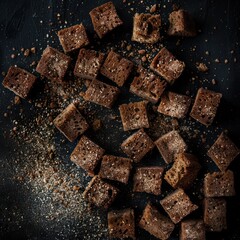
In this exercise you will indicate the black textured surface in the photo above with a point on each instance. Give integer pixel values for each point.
(21, 26)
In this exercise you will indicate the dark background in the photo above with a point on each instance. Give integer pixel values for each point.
(24, 24)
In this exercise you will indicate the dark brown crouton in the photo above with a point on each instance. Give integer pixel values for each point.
(167, 66)
(121, 224)
(116, 168)
(101, 93)
(155, 223)
(219, 184)
(19, 81)
(192, 230)
(215, 211)
(88, 64)
(148, 179)
(137, 145)
(73, 38)
(105, 19)
(146, 28)
(116, 68)
(170, 144)
(174, 105)
(134, 115)
(100, 193)
(71, 123)
(223, 152)
(87, 154)
(53, 64)
(205, 106)
(147, 85)
(183, 171)
(178, 205)
(181, 24)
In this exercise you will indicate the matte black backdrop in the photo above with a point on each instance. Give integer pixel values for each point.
(20, 26)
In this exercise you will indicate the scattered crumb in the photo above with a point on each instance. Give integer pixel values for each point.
(153, 9)
(202, 67)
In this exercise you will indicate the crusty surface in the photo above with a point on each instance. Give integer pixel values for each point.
(155, 223)
(148, 85)
(71, 123)
(146, 28)
(178, 205)
(223, 152)
(170, 144)
(87, 154)
(19, 81)
(205, 106)
(192, 230)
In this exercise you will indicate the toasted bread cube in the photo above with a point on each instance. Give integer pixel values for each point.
(155, 223)
(147, 85)
(53, 64)
(121, 224)
(73, 38)
(71, 123)
(101, 93)
(88, 64)
(215, 211)
(205, 106)
(100, 193)
(181, 24)
(19, 81)
(178, 205)
(134, 115)
(148, 179)
(183, 171)
(105, 19)
(87, 154)
(116, 68)
(174, 105)
(137, 145)
(170, 144)
(219, 184)
(223, 152)
(146, 28)
(192, 230)
(167, 66)
(116, 168)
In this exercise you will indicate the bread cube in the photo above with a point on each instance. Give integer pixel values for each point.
(192, 230)
(155, 223)
(147, 85)
(205, 106)
(170, 144)
(178, 205)
(215, 211)
(100, 193)
(105, 19)
(19, 81)
(148, 179)
(101, 93)
(181, 24)
(174, 105)
(223, 152)
(53, 64)
(137, 145)
(73, 38)
(116, 68)
(146, 28)
(87, 154)
(183, 171)
(116, 168)
(134, 115)
(167, 66)
(88, 64)
(121, 224)
(71, 123)
(219, 184)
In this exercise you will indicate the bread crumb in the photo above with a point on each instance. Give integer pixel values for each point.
(153, 9)
(202, 67)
